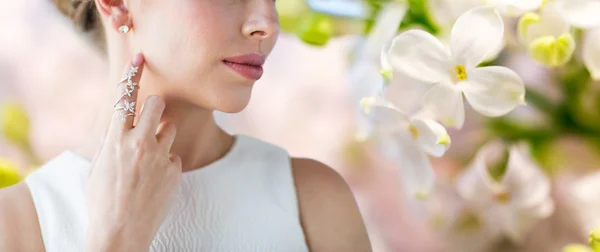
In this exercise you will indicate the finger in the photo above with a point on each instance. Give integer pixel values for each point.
(149, 119)
(166, 135)
(125, 100)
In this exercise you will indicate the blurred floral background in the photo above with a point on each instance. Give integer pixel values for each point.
(378, 90)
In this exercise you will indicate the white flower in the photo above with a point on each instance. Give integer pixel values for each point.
(385, 27)
(407, 140)
(368, 65)
(445, 12)
(368, 73)
(591, 52)
(547, 35)
(505, 184)
(445, 213)
(453, 71)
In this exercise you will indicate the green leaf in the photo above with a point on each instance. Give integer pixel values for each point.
(418, 14)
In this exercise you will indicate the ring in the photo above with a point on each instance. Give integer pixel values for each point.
(129, 88)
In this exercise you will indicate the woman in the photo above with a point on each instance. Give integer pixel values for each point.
(168, 178)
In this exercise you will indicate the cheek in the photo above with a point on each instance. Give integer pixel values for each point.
(188, 38)
(200, 28)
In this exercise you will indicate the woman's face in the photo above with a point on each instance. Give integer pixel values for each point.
(193, 46)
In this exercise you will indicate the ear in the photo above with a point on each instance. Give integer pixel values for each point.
(115, 12)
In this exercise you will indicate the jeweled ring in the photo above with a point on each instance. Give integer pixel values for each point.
(128, 108)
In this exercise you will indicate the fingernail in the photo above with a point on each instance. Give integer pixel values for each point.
(138, 59)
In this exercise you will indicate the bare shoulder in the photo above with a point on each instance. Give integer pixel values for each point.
(328, 210)
(19, 227)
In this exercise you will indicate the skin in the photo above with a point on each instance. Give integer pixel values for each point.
(184, 69)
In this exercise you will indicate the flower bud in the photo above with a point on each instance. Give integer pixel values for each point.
(14, 124)
(9, 175)
(594, 240)
(576, 248)
(552, 51)
(367, 104)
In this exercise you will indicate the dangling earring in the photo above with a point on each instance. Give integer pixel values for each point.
(124, 29)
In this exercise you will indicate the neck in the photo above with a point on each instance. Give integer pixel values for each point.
(199, 140)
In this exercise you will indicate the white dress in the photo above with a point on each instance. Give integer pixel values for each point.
(245, 201)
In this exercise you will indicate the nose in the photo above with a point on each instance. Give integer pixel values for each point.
(262, 22)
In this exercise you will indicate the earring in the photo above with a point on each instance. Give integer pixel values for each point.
(124, 29)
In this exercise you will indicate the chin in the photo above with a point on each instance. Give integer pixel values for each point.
(234, 102)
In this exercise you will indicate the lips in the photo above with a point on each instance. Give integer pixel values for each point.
(248, 65)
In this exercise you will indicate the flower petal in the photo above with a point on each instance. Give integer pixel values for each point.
(584, 201)
(475, 184)
(591, 53)
(516, 7)
(493, 91)
(416, 171)
(445, 103)
(383, 114)
(529, 187)
(386, 27)
(386, 72)
(420, 56)
(475, 35)
(431, 136)
(517, 224)
(525, 5)
(405, 93)
(364, 79)
(548, 22)
(580, 13)
(520, 221)
(494, 53)
(545, 209)
(529, 191)
(517, 199)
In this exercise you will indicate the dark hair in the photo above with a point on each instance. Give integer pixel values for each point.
(86, 19)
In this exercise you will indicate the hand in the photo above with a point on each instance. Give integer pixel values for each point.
(133, 175)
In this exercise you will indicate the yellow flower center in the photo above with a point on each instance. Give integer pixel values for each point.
(461, 73)
(503, 197)
(388, 75)
(468, 221)
(367, 104)
(444, 140)
(414, 131)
